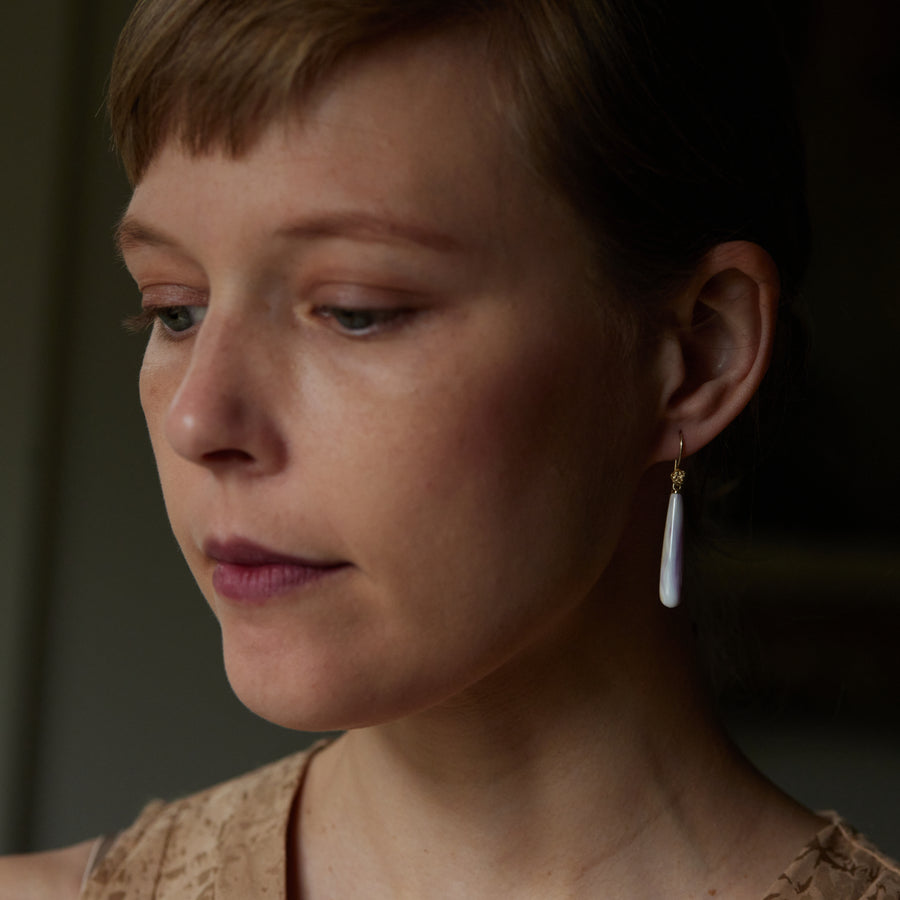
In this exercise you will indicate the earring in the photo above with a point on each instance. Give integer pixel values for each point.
(670, 567)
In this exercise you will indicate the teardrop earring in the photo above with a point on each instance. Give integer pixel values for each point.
(670, 566)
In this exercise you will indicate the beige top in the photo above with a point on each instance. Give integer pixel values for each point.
(229, 843)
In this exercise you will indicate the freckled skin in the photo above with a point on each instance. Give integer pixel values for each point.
(452, 419)
(471, 461)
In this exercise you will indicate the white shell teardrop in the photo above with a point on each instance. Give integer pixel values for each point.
(670, 567)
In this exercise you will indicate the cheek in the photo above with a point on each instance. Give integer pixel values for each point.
(498, 475)
(480, 510)
(157, 385)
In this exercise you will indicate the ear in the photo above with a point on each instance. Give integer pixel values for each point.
(715, 356)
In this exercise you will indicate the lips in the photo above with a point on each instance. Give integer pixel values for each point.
(249, 573)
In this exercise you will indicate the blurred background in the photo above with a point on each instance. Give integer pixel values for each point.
(111, 683)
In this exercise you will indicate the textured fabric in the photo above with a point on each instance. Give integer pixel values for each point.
(838, 864)
(226, 843)
(229, 843)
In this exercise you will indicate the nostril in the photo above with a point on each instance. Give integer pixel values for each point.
(227, 456)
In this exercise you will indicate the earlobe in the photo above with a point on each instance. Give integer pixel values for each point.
(717, 356)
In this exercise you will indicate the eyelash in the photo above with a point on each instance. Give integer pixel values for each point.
(380, 319)
(149, 315)
(139, 322)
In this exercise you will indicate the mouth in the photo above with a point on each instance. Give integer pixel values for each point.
(251, 574)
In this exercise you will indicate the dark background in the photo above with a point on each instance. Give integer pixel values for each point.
(111, 689)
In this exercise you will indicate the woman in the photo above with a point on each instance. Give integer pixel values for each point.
(438, 292)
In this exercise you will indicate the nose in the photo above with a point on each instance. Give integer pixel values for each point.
(223, 413)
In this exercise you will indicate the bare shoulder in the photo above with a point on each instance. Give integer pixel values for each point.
(52, 875)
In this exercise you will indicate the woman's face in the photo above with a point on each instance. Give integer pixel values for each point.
(396, 442)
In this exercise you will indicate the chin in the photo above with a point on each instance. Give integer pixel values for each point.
(314, 691)
(297, 694)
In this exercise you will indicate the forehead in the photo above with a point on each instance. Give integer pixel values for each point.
(410, 132)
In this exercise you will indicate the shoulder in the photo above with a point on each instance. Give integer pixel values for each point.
(53, 875)
(198, 840)
(840, 864)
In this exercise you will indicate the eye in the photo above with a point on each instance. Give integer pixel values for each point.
(361, 322)
(179, 318)
(160, 304)
(174, 319)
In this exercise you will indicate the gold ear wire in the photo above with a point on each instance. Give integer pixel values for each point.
(678, 474)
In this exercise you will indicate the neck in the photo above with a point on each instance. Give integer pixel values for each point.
(571, 767)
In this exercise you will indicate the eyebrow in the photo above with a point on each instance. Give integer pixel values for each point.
(132, 234)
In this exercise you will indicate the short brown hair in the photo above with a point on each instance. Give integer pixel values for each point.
(667, 124)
